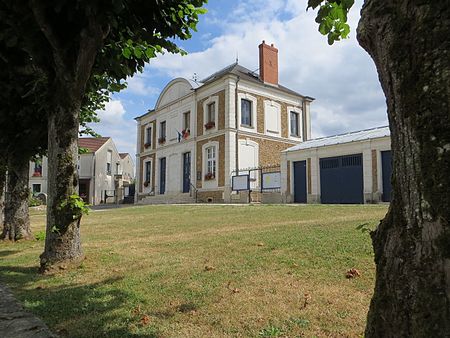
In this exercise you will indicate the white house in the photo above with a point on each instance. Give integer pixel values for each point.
(103, 173)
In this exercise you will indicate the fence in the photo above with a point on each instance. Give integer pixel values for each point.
(261, 179)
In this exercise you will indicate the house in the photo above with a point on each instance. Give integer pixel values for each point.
(104, 174)
(200, 134)
(349, 168)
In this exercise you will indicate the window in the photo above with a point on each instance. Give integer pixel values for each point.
(162, 132)
(148, 137)
(295, 124)
(187, 121)
(246, 112)
(118, 168)
(108, 162)
(210, 163)
(36, 188)
(37, 172)
(211, 112)
(147, 173)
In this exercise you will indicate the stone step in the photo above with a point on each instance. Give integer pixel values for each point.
(168, 199)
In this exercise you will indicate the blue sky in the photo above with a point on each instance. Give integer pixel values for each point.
(341, 77)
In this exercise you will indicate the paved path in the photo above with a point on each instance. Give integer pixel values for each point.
(15, 322)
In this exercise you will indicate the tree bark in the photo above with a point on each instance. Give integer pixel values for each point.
(2, 194)
(409, 43)
(62, 241)
(17, 219)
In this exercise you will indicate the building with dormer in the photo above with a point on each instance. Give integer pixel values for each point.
(201, 133)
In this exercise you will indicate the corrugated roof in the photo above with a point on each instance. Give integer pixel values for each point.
(123, 155)
(353, 136)
(92, 143)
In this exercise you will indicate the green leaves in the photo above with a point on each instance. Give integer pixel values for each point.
(74, 206)
(332, 18)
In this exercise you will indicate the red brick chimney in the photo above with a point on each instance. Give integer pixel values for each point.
(268, 63)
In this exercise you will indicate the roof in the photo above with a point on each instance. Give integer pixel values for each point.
(123, 155)
(247, 74)
(353, 136)
(92, 143)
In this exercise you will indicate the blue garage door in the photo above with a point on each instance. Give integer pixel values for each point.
(300, 182)
(386, 167)
(341, 179)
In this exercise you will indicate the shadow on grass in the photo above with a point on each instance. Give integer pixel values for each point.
(5, 253)
(100, 309)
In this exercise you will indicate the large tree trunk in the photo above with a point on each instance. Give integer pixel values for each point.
(17, 219)
(409, 42)
(2, 193)
(62, 243)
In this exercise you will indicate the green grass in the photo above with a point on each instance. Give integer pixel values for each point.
(205, 271)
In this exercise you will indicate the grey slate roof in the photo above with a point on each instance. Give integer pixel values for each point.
(247, 74)
(353, 136)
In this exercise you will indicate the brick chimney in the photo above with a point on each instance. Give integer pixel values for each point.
(268, 63)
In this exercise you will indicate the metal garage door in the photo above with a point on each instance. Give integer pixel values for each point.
(386, 167)
(300, 182)
(341, 179)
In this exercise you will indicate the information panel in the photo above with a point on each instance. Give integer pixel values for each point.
(271, 180)
(240, 182)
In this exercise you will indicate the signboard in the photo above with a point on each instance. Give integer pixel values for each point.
(240, 182)
(271, 180)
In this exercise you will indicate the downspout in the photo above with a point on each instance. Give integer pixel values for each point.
(236, 125)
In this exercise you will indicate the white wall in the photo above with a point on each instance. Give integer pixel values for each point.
(315, 154)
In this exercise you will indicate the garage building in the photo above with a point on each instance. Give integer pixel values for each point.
(349, 168)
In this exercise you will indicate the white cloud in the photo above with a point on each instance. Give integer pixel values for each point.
(137, 85)
(113, 124)
(112, 113)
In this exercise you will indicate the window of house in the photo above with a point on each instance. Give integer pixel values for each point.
(211, 112)
(147, 172)
(187, 121)
(295, 127)
(108, 162)
(162, 132)
(148, 137)
(118, 168)
(37, 168)
(210, 162)
(246, 112)
(36, 188)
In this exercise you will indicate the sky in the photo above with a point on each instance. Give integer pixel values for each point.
(342, 78)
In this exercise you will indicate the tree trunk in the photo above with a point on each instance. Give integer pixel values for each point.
(2, 194)
(409, 43)
(17, 219)
(62, 243)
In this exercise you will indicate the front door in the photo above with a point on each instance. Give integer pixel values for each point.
(300, 182)
(162, 175)
(83, 190)
(186, 171)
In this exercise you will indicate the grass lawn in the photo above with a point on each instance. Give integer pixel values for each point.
(205, 271)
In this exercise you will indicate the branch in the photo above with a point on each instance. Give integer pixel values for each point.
(39, 15)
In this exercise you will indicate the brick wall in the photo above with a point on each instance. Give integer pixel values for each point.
(216, 195)
(141, 170)
(260, 114)
(269, 150)
(142, 140)
(220, 113)
(220, 162)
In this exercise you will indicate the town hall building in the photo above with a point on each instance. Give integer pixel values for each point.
(201, 133)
